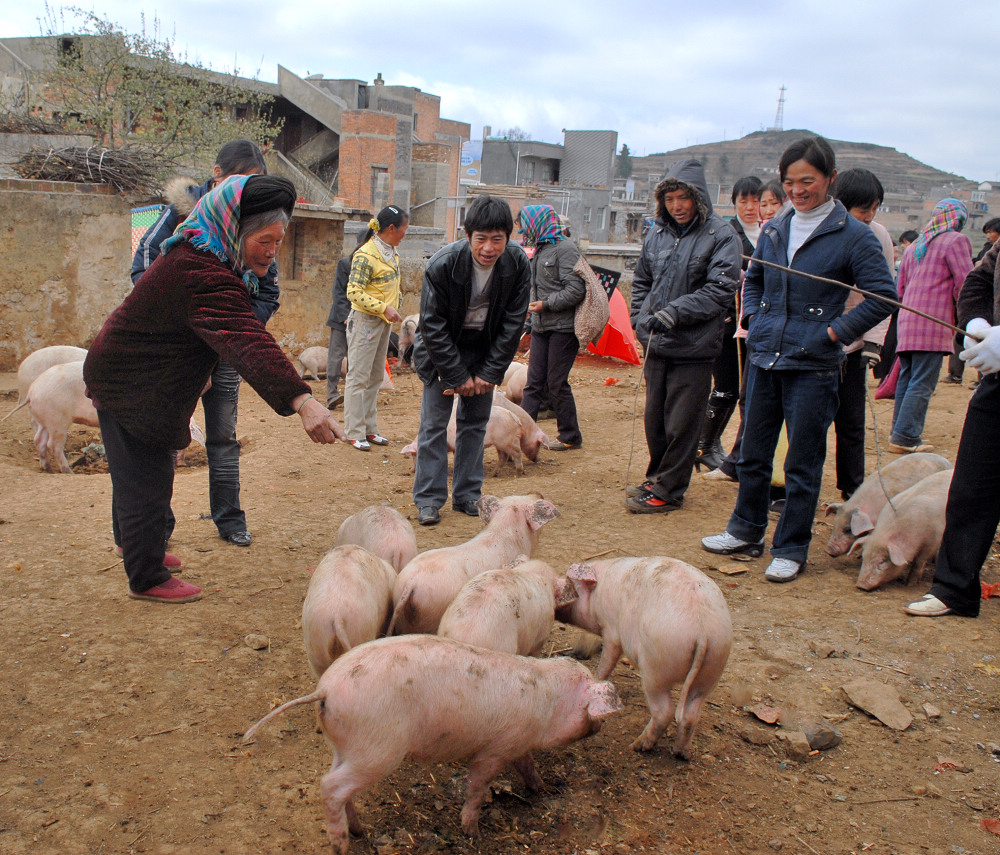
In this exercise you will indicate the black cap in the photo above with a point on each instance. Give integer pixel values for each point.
(265, 193)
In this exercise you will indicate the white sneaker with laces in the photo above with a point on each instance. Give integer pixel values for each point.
(782, 570)
(361, 444)
(727, 544)
(377, 439)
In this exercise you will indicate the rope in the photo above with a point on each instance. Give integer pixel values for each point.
(866, 294)
(878, 446)
(635, 402)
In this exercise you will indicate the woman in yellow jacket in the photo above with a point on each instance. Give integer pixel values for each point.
(373, 291)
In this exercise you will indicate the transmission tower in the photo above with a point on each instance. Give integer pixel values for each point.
(779, 117)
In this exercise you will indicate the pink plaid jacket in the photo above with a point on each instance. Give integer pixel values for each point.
(932, 287)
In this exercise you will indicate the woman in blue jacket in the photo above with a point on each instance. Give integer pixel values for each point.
(796, 326)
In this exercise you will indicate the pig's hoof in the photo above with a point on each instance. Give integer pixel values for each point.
(643, 743)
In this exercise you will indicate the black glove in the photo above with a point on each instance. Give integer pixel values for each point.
(662, 321)
(871, 354)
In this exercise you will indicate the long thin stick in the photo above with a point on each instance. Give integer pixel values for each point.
(854, 288)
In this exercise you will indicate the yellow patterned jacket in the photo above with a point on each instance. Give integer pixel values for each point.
(373, 285)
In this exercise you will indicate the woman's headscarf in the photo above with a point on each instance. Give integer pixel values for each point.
(215, 221)
(949, 216)
(540, 224)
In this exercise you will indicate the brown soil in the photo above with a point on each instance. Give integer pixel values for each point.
(122, 720)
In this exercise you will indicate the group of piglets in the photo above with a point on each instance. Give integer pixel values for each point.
(459, 681)
(897, 518)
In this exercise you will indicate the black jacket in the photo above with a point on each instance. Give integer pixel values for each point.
(341, 306)
(691, 274)
(980, 294)
(444, 300)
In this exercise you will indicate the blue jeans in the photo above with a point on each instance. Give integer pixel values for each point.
(918, 377)
(221, 404)
(430, 481)
(806, 401)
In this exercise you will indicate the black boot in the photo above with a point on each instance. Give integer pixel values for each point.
(720, 409)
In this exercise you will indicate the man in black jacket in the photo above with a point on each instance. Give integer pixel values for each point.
(472, 309)
(685, 279)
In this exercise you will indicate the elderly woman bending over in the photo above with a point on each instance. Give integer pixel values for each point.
(155, 353)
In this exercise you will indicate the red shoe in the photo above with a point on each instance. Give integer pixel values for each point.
(171, 591)
(170, 561)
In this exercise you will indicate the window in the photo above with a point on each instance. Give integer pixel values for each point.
(380, 184)
(602, 214)
(587, 214)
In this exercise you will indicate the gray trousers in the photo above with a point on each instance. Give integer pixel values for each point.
(430, 481)
(367, 345)
(335, 362)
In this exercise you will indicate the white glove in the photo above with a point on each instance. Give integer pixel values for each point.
(984, 356)
(977, 326)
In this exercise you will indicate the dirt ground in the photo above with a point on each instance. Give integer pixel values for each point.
(121, 721)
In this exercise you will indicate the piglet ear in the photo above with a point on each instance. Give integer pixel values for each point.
(487, 507)
(565, 591)
(582, 576)
(861, 523)
(541, 512)
(898, 554)
(831, 508)
(602, 700)
(859, 542)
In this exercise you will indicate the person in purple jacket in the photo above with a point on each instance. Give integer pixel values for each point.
(153, 358)
(934, 267)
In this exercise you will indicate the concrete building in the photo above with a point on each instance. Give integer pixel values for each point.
(344, 142)
(575, 177)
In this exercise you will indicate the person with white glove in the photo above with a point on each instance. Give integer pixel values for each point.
(973, 510)
(982, 346)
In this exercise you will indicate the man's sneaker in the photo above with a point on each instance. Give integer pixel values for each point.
(896, 448)
(238, 538)
(637, 490)
(428, 515)
(927, 606)
(377, 439)
(783, 570)
(171, 591)
(361, 444)
(650, 503)
(335, 402)
(726, 544)
(170, 561)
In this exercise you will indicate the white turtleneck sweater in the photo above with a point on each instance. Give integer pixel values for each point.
(751, 230)
(804, 223)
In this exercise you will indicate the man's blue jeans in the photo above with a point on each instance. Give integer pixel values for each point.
(430, 481)
(806, 401)
(918, 377)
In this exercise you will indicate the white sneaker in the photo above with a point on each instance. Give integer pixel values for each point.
(361, 444)
(927, 606)
(726, 544)
(782, 570)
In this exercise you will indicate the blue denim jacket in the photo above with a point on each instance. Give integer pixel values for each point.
(787, 316)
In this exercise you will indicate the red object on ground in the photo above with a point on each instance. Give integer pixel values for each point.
(990, 590)
(618, 339)
(611, 381)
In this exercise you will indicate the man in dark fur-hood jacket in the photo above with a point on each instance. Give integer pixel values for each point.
(685, 279)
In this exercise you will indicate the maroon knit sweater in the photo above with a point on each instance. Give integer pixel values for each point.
(156, 351)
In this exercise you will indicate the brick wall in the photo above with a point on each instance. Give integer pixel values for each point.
(367, 139)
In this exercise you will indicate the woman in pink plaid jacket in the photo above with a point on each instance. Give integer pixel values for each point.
(934, 267)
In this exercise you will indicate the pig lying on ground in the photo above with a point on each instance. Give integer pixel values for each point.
(56, 400)
(34, 364)
(857, 516)
(515, 381)
(532, 436)
(426, 586)
(503, 432)
(383, 531)
(509, 609)
(906, 538)
(670, 620)
(438, 700)
(348, 602)
(312, 361)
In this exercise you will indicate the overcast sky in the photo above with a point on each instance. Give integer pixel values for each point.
(919, 76)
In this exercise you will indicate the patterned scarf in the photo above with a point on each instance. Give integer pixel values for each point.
(213, 225)
(949, 216)
(540, 224)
